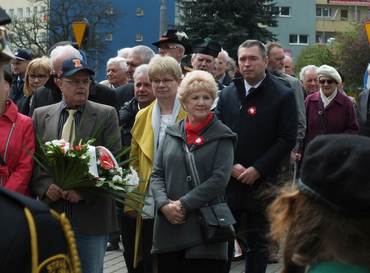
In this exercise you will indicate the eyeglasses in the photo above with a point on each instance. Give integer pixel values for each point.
(77, 82)
(164, 81)
(167, 47)
(40, 77)
(326, 81)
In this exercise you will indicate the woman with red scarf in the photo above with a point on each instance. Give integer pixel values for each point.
(178, 244)
(17, 143)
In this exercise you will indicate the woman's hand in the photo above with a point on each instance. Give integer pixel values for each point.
(174, 212)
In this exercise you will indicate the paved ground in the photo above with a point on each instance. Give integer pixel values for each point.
(113, 262)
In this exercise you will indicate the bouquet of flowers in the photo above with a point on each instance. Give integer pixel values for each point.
(85, 166)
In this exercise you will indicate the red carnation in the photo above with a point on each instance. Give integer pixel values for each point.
(106, 162)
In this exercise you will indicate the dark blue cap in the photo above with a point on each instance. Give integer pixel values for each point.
(74, 65)
(23, 54)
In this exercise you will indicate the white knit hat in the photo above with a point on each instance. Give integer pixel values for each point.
(329, 71)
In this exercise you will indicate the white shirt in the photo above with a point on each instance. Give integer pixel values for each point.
(248, 86)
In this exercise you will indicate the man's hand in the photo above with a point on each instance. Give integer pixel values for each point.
(237, 170)
(54, 193)
(173, 212)
(295, 156)
(249, 176)
(72, 196)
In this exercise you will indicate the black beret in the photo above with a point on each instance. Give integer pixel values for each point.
(207, 46)
(335, 171)
(176, 37)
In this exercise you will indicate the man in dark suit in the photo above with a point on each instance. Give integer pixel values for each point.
(50, 92)
(92, 216)
(262, 111)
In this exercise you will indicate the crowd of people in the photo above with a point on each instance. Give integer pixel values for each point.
(245, 125)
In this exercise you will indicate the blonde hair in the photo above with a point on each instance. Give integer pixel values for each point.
(195, 81)
(164, 65)
(39, 64)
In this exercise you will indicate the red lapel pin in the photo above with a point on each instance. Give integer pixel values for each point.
(252, 111)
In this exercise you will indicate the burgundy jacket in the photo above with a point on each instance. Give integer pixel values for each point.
(17, 130)
(338, 117)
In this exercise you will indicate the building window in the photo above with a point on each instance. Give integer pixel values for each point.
(324, 37)
(19, 12)
(284, 11)
(139, 37)
(323, 12)
(139, 12)
(11, 12)
(28, 12)
(34, 10)
(344, 14)
(109, 36)
(298, 39)
(281, 11)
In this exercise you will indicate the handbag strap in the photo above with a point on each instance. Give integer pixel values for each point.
(191, 166)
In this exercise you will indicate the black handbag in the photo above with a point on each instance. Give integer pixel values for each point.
(216, 220)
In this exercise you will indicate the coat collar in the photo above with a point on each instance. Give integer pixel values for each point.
(87, 128)
(339, 98)
(11, 111)
(213, 131)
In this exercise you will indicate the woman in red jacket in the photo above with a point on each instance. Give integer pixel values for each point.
(17, 144)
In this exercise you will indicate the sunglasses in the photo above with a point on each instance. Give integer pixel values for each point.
(326, 81)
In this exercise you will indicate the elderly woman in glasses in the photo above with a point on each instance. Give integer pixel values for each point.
(37, 74)
(147, 134)
(329, 111)
(177, 240)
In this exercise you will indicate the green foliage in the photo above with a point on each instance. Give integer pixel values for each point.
(353, 53)
(316, 55)
(350, 54)
(230, 22)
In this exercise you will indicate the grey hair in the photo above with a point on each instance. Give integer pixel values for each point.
(226, 54)
(145, 52)
(251, 43)
(140, 70)
(307, 68)
(123, 51)
(61, 50)
(118, 60)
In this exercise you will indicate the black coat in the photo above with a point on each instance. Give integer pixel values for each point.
(127, 114)
(50, 94)
(264, 137)
(52, 248)
(125, 93)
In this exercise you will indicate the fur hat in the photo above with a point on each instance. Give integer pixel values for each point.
(329, 71)
(335, 171)
(207, 46)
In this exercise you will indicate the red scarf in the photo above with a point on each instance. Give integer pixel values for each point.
(193, 130)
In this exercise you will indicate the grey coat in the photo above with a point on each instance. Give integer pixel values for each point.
(363, 112)
(299, 99)
(214, 160)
